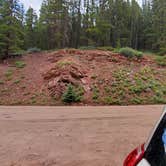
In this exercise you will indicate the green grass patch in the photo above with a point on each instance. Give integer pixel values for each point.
(95, 93)
(137, 100)
(20, 64)
(64, 63)
(107, 89)
(140, 87)
(17, 81)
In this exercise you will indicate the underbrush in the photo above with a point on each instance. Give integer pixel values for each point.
(130, 53)
(95, 93)
(62, 64)
(20, 64)
(141, 87)
(161, 60)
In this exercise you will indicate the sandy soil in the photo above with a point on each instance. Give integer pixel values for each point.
(72, 136)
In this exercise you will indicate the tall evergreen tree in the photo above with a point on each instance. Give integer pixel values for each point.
(53, 23)
(135, 24)
(11, 31)
(30, 28)
(159, 24)
(146, 38)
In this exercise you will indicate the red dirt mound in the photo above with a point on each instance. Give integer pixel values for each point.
(64, 73)
(102, 75)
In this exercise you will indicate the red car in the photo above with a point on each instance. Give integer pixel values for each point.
(153, 152)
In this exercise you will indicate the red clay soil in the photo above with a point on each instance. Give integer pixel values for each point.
(46, 75)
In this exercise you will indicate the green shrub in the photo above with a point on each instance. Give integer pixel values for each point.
(108, 100)
(96, 93)
(158, 100)
(16, 82)
(20, 64)
(130, 53)
(162, 51)
(95, 96)
(139, 54)
(33, 50)
(161, 60)
(107, 89)
(136, 100)
(80, 91)
(71, 95)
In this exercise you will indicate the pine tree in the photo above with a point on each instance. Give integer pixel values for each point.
(146, 39)
(159, 25)
(53, 23)
(135, 24)
(75, 19)
(11, 30)
(30, 28)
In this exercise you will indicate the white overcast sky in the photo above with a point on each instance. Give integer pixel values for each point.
(36, 4)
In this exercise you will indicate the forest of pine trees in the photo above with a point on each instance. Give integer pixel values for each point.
(76, 23)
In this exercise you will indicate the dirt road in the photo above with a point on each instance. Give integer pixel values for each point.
(72, 136)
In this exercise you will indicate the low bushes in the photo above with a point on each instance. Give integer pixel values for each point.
(161, 60)
(96, 93)
(130, 53)
(20, 64)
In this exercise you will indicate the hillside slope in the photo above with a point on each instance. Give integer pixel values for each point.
(98, 77)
